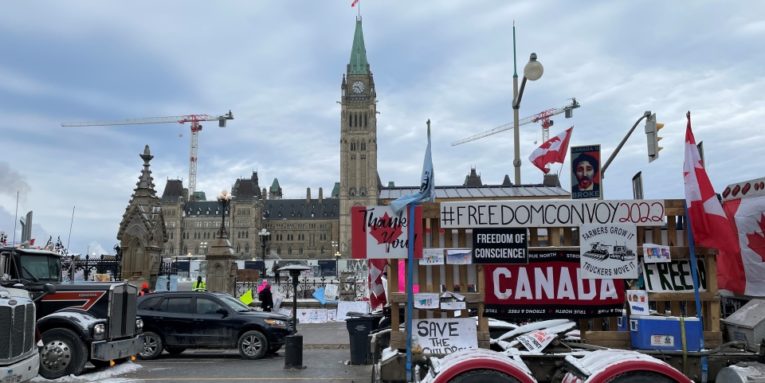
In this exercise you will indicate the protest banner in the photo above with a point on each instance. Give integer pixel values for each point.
(550, 286)
(379, 233)
(549, 213)
(445, 335)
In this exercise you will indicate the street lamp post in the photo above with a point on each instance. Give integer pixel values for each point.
(532, 71)
(224, 198)
(293, 344)
(264, 236)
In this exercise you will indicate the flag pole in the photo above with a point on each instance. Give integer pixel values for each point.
(15, 219)
(695, 276)
(409, 293)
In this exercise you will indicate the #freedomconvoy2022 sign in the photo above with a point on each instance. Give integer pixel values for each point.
(378, 232)
(551, 285)
(550, 213)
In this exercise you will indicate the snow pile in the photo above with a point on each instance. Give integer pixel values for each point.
(102, 376)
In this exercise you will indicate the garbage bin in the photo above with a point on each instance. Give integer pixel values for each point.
(358, 331)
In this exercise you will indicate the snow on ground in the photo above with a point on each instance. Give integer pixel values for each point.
(102, 376)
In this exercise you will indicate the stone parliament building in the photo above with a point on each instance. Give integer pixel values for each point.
(314, 227)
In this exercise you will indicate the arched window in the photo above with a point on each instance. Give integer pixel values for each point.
(365, 120)
(363, 146)
(363, 192)
(352, 192)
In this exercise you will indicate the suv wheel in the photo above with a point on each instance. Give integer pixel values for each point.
(152, 345)
(252, 345)
(63, 353)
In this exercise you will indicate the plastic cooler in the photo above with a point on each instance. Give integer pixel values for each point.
(664, 333)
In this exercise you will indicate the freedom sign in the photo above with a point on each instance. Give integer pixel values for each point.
(550, 286)
(550, 213)
(379, 233)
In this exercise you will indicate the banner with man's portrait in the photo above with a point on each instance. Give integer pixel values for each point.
(585, 171)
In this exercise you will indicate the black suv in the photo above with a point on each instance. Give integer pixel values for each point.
(175, 321)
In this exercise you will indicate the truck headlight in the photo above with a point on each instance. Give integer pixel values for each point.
(99, 331)
(276, 323)
(139, 324)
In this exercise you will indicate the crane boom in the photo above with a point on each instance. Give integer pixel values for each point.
(543, 116)
(196, 127)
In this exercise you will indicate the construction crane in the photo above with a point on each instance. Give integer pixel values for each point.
(543, 117)
(196, 127)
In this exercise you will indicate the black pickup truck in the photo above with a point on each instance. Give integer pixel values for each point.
(81, 321)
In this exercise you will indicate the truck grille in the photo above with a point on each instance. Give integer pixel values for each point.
(17, 329)
(122, 311)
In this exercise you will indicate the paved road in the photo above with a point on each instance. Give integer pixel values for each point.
(321, 365)
(325, 357)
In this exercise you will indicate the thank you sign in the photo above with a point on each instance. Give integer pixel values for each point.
(446, 335)
(378, 232)
(509, 245)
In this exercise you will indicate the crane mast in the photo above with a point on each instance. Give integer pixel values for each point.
(543, 117)
(196, 127)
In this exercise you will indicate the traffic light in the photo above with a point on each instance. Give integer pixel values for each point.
(652, 134)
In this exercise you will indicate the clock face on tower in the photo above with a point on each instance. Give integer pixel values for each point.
(358, 87)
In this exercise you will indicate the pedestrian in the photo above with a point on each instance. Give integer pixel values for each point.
(275, 269)
(265, 297)
(144, 289)
(199, 285)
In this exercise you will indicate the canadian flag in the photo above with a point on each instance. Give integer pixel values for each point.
(376, 288)
(552, 150)
(747, 213)
(710, 225)
(353, 4)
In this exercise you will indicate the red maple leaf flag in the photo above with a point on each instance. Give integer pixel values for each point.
(552, 150)
(710, 225)
(353, 4)
(376, 289)
(747, 213)
(756, 241)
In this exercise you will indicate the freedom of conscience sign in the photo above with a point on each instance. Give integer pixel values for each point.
(507, 245)
(445, 335)
(377, 232)
(550, 213)
(550, 286)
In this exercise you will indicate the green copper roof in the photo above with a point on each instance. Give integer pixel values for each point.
(336, 190)
(358, 64)
(275, 185)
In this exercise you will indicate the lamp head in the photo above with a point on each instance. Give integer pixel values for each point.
(534, 69)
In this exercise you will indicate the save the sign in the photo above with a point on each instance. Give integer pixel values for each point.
(546, 213)
(673, 276)
(551, 285)
(378, 232)
(500, 246)
(446, 335)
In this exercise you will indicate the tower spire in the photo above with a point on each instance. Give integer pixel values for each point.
(358, 63)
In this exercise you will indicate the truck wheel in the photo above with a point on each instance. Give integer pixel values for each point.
(175, 350)
(252, 345)
(641, 377)
(63, 353)
(483, 376)
(152, 345)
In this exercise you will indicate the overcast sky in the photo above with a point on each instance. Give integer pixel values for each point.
(278, 65)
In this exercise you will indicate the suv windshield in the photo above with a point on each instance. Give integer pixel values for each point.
(40, 268)
(233, 303)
